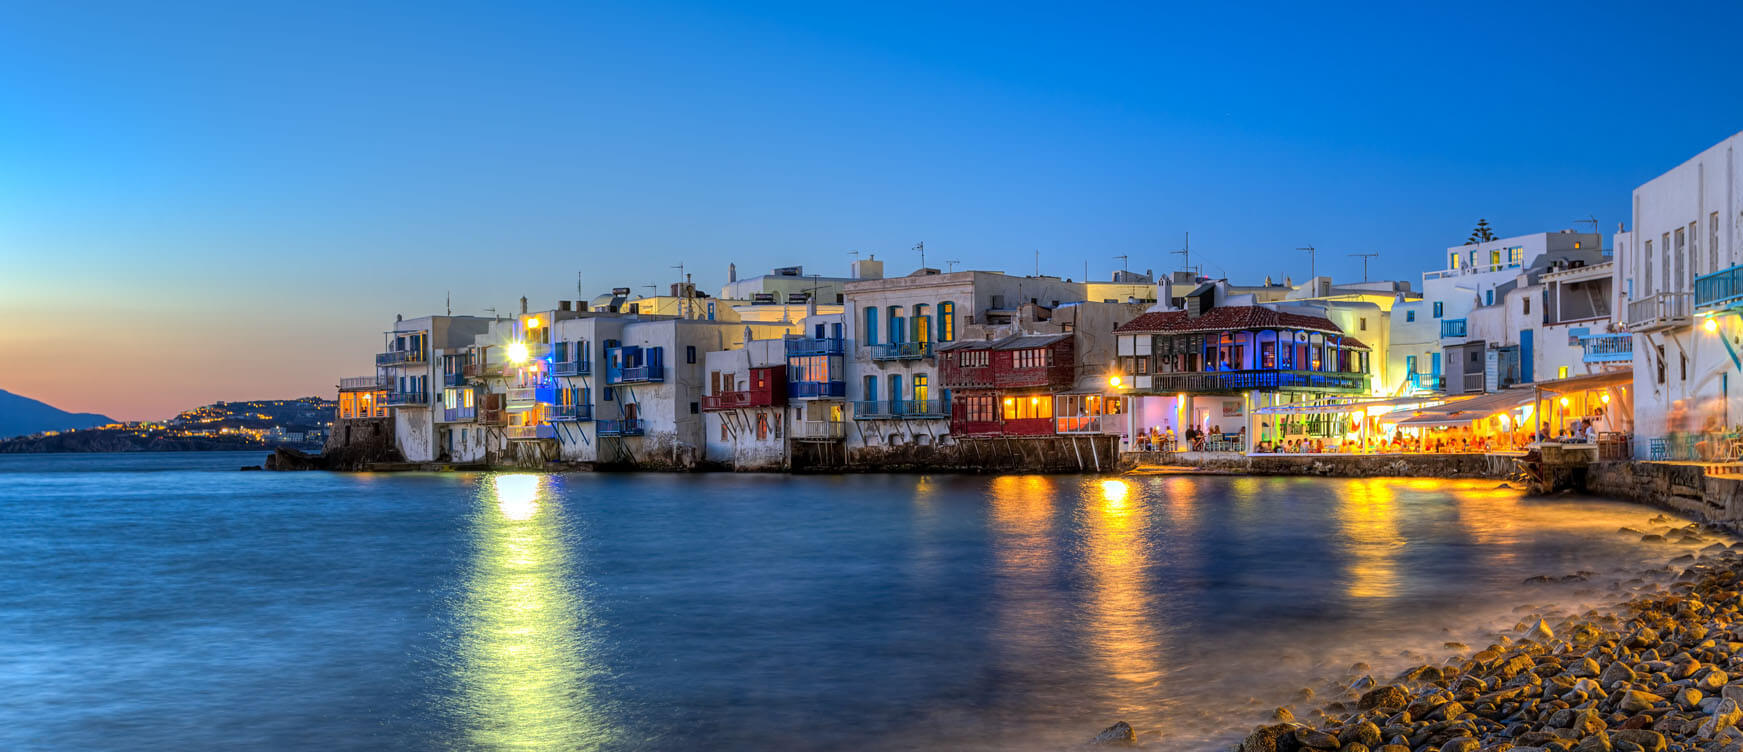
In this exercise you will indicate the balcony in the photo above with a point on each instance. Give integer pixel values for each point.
(1608, 348)
(522, 398)
(453, 379)
(926, 409)
(737, 399)
(1721, 289)
(868, 409)
(529, 433)
(490, 417)
(817, 389)
(621, 428)
(1428, 382)
(637, 375)
(407, 399)
(571, 413)
(480, 370)
(1452, 328)
(361, 383)
(572, 368)
(902, 351)
(818, 430)
(1658, 311)
(400, 357)
(802, 346)
(1238, 381)
(458, 414)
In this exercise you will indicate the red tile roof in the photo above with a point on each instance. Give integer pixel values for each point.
(1229, 318)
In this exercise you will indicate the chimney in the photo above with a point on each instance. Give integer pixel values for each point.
(732, 272)
(563, 305)
(523, 304)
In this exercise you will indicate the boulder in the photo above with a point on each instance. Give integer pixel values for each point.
(1388, 697)
(1120, 733)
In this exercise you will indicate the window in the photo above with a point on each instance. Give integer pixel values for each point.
(1364, 324)
(973, 358)
(1030, 358)
(1664, 248)
(871, 388)
(1495, 259)
(947, 318)
(922, 387)
(819, 330)
(1516, 255)
(1410, 364)
(1489, 297)
(1526, 304)
(1695, 246)
(979, 408)
(607, 394)
(1410, 315)
(1681, 258)
(1028, 408)
(871, 326)
(1646, 261)
(1661, 364)
(1561, 373)
(1438, 310)
(689, 353)
(1713, 240)
(695, 407)
(897, 334)
(922, 323)
(1455, 261)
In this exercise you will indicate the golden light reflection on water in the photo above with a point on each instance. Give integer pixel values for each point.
(1119, 603)
(1024, 558)
(1368, 522)
(522, 673)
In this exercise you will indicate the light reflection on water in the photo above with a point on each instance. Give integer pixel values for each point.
(522, 675)
(198, 608)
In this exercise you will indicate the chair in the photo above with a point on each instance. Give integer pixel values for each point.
(1658, 449)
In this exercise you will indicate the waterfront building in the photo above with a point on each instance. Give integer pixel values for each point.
(788, 283)
(898, 405)
(744, 411)
(408, 368)
(362, 397)
(1680, 271)
(1431, 338)
(1210, 364)
(817, 391)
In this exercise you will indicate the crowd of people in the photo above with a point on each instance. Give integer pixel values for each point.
(1194, 439)
(1458, 439)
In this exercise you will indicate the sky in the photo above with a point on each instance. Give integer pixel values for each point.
(214, 201)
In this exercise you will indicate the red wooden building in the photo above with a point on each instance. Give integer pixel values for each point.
(1005, 387)
(764, 387)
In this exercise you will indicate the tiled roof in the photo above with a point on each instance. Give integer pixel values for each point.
(1008, 342)
(1228, 318)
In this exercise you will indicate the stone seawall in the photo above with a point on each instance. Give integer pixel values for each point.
(1681, 487)
(1498, 467)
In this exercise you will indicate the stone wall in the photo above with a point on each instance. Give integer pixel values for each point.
(1051, 454)
(1499, 467)
(1681, 487)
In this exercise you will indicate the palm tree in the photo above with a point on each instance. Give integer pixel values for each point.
(1482, 234)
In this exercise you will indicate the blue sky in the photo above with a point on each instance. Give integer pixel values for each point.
(250, 191)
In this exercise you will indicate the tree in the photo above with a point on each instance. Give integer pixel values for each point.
(1482, 234)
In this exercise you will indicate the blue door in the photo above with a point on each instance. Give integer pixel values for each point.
(1525, 357)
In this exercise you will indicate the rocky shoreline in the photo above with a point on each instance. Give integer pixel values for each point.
(1660, 672)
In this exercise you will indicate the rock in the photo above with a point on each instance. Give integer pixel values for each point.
(1732, 692)
(1634, 701)
(1461, 744)
(1266, 739)
(1389, 697)
(1120, 733)
(1648, 740)
(1615, 672)
(1541, 631)
(1282, 715)
(1315, 739)
(1725, 716)
(1364, 733)
(1689, 698)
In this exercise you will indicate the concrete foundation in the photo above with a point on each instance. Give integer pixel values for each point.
(1495, 466)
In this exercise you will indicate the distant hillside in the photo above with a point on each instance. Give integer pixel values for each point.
(21, 415)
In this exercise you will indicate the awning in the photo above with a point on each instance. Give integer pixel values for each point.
(1342, 406)
(1472, 410)
(1599, 380)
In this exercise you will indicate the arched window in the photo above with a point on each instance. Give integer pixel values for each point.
(871, 326)
(947, 321)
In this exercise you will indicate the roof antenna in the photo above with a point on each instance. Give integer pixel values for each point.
(1125, 266)
(1591, 220)
(921, 247)
(450, 302)
(1312, 269)
(951, 264)
(1185, 254)
(1365, 257)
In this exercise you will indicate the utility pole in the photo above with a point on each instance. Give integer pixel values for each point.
(1365, 257)
(1037, 262)
(1312, 268)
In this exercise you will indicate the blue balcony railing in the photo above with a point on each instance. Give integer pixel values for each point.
(799, 346)
(407, 398)
(816, 389)
(638, 375)
(458, 414)
(1237, 381)
(902, 351)
(1721, 289)
(453, 379)
(910, 408)
(397, 357)
(1451, 328)
(1432, 382)
(1608, 348)
(572, 367)
(580, 413)
(867, 409)
(620, 427)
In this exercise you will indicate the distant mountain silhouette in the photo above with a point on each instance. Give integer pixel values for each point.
(21, 415)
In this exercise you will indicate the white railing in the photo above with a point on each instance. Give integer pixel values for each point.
(1659, 310)
(826, 430)
(522, 396)
(1082, 424)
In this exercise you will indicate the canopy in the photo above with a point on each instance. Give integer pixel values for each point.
(1340, 406)
(1598, 380)
(1472, 410)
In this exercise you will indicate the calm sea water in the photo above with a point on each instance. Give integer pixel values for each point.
(166, 601)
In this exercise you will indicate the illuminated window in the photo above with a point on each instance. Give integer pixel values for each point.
(1561, 373)
(947, 321)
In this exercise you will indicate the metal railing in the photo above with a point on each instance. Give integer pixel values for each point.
(1720, 289)
(800, 346)
(458, 414)
(1659, 311)
(580, 413)
(819, 430)
(397, 357)
(453, 379)
(621, 427)
(868, 409)
(737, 399)
(1433, 382)
(640, 375)
(1608, 348)
(407, 398)
(571, 367)
(908, 408)
(902, 351)
(361, 382)
(524, 433)
(522, 397)
(817, 389)
(1450, 328)
(1232, 381)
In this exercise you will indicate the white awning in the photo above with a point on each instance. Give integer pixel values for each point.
(1472, 410)
(1346, 405)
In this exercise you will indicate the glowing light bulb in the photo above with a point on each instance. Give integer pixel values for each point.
(1712, 325)
(1114, 381)
(517, 352)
